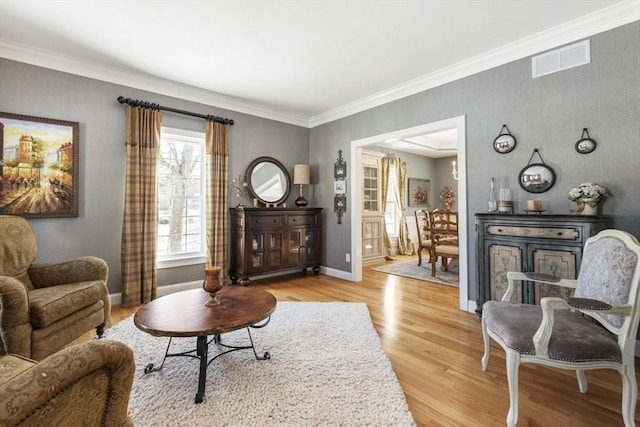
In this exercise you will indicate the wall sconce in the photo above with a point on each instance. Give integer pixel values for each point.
(454, 170)
(301, 177)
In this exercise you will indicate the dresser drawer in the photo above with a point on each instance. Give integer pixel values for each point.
(558, 233)
(300, 220)
(265, 221)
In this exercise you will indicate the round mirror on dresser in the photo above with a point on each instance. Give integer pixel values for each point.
(268, 181)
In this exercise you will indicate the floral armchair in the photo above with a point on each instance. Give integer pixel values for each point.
(86, 384)
(596, 329)
(44, 307)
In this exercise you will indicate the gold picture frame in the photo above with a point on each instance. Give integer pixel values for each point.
(38, 166)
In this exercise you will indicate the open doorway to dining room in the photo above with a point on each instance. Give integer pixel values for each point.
(455, 123)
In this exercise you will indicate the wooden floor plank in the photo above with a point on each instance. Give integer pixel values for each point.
(435, 350)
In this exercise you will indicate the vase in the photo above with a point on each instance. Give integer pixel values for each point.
(212, 284)
(587, 207)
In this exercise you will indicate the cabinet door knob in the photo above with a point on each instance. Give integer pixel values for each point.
(257, 220)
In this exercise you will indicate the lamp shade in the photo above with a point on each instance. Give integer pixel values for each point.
(301, 174)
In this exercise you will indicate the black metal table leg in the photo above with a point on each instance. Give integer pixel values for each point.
(202, 352)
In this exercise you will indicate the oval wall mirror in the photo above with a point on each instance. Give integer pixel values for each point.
(537, 178)
(268, 180)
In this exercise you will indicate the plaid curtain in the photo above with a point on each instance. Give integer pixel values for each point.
(139, 222)
(217, 165)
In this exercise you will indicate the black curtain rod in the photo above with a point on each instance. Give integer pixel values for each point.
(144, 104)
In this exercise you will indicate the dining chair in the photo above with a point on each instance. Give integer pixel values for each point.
(444, 235)
(424, 233)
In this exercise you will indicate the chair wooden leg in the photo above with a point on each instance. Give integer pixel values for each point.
(629, 395)
(513, 363)
(433, 260)
(419, 256)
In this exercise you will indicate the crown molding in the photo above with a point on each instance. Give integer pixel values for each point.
(614, 16)
(47, 59)
(606, 19)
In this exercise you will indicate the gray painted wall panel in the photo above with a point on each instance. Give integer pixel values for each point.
(547, 113)
(36, 91)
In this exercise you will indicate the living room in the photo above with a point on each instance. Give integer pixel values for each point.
(547, 113)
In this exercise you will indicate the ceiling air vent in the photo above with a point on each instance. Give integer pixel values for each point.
(561, 59)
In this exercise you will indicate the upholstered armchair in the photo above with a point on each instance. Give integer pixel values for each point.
(44, 307)
(595, 329)
(86, 384)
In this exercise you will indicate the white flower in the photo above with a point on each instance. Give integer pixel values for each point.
(588, 190)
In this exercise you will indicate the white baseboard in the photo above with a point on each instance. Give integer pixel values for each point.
(345, 275)
(162, 290)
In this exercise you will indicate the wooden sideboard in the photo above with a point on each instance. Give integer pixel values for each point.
(549, 244)
(266, 240)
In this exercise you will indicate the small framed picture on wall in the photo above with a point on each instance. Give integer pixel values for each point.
(418, 192)
(340, 187)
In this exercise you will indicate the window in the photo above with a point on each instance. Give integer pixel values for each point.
(181, 198)
(391, 209)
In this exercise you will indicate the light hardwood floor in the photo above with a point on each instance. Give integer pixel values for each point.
(435, 350)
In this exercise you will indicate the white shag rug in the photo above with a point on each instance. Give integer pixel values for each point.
(327, 368)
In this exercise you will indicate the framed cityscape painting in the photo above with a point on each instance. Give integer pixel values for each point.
(38, 166)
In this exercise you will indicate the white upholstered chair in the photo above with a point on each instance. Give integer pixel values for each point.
(596, 329)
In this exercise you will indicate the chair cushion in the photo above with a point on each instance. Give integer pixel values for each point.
(575, 338)
(48, 305)
(426, 243)
(13, 365)
(447, 250)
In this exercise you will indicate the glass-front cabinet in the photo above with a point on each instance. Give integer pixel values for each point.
(266, 249)
(302, 246)
(266, 240)
(372, 237)
(372, 212)
(370, 189)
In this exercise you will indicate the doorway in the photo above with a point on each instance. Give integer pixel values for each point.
(457, 123)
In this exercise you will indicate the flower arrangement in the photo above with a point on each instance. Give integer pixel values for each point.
(588, 193)
(419, 195)
(447, 196)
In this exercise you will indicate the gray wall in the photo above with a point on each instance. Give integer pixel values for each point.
(35, 91)
(547, 113)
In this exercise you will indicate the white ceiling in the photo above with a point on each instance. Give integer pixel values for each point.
(300, 62)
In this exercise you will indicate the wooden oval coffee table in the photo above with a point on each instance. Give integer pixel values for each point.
(184, 314)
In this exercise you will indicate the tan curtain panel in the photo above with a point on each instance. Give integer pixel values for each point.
(139, 223)
(405, 246)
(385, 165)
(217, 165)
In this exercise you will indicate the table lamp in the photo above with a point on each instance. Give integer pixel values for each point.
(301, 177)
